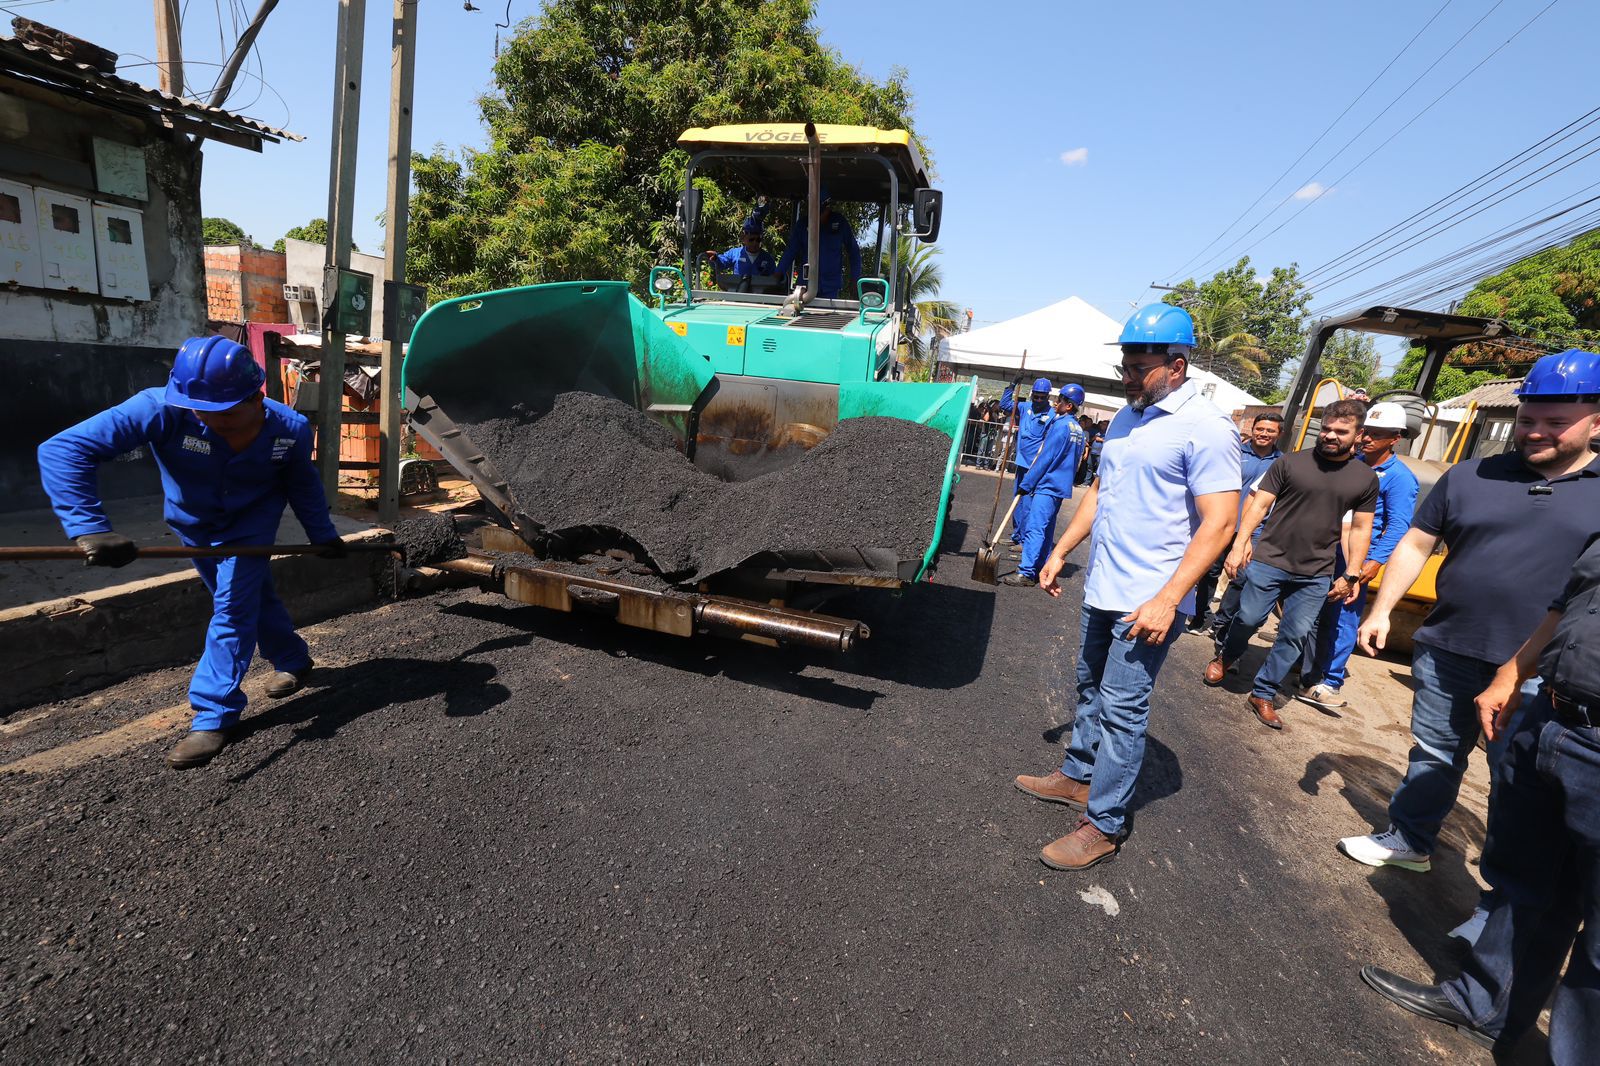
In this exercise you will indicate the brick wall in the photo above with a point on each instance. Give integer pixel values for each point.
(244, 284)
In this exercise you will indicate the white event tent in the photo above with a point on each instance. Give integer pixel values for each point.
(1070, 341)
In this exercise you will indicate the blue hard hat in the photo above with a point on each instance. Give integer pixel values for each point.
(752, 225)
(1073, 393)
(1042, 385)
(212, 374)
(1572, 376)
(1159, 324)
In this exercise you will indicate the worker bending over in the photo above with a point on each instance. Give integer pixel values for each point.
(1048, 482)
(1032, 422)
(230, 460)
(1160, 511)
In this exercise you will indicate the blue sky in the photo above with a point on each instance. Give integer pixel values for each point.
(1084, 148)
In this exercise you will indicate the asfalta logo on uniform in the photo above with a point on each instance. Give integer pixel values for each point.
(281, 447)
(196, 445)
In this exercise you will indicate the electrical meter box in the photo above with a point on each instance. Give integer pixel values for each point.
(348, 309)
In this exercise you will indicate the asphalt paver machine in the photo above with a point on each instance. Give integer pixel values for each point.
(746, 382)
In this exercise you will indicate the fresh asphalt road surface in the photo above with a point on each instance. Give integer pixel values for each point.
(492, 832)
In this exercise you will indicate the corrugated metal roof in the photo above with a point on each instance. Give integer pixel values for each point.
(1490, 394)
(41, 65)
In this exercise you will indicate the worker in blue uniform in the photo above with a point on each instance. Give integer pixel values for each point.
(1031, 425)
(748, 259)
(838, 239)
(1048, 482)
(1322, 671)
(230, 460)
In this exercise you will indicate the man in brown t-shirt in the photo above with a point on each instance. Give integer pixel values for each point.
(1307, 494)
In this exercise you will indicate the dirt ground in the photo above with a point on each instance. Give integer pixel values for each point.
(492, 832)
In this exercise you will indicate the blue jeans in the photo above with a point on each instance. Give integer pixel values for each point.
(1115, 676)
(1544, 837)
(1039, 532)
(1328, 651)
(1302, 598)
(1444, 730)
(1227, 610)
(245, 612)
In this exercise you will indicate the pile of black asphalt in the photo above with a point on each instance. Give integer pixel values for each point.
(580, 461)
(429, 538)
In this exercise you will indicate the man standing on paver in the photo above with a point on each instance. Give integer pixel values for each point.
(1323, 668)
(1161, 509)
(1544, 841)
(1258, 450)
(1049, 481)
(230, 461)
(1308, 494)
(1513, 523)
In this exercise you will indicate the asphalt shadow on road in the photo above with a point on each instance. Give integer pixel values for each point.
(1423, 907)
(346, 693)
(1160, 776)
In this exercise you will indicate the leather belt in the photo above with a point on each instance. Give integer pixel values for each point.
(1581, 713)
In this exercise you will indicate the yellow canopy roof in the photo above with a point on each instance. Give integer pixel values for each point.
(847, 179)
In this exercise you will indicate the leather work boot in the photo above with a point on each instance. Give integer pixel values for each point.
(1216, 671)
(197, 749)
(283, 683)
(1079, 849)
(1267, 713)
(1020, 580)
(1056, 787)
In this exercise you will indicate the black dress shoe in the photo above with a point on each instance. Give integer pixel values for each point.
(1426, 1001)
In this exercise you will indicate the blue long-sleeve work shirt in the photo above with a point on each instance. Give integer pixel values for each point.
(745, 265)
(213, 496)
(1031, 426)
(1055, 468)
(1397, 505)
(837, 240)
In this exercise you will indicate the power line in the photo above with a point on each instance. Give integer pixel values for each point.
(1382, 70)
(1362, 161)
(1528, 153)
(1359, 133)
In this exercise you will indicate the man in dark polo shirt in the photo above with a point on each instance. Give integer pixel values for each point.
(1307, 494)
(1544, 840)
(1512, 523)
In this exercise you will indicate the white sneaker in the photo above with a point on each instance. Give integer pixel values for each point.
(1471, 929)
(1326, 696)
(1388, 848)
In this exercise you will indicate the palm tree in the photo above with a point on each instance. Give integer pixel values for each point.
(928, 319)
(1221, 346)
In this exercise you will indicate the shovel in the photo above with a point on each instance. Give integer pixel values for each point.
(179, 551)
(988, 559)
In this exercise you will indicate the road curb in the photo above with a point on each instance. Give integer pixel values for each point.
(60, 648)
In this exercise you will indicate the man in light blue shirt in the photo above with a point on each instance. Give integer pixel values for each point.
(1162, 508)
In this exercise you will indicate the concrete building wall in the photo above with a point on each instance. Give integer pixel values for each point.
(67, 355)
(304, 268)
(245, 284)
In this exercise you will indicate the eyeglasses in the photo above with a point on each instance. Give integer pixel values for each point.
(1136, 372)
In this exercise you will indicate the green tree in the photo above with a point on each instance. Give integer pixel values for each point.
(1452, 381)
(1351, 358)
(222, 231)
(1271, 311)
(582, 172)
(928, 318)
(315, 231)
(1221, 345)
(1551, 296)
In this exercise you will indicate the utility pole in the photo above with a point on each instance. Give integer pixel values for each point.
(397, 212)
(169, 47)
(341, 207)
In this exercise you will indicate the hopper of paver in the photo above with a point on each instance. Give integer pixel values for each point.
(773, 461)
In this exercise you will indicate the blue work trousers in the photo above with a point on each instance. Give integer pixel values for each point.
(1444, 730)
(1019, 517)
(1328, 651)
(1115, 677)
(1302, 598)
(1039, 534)
(245, 612)
(1544, 838)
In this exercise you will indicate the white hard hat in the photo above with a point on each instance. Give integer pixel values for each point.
(1386, 416)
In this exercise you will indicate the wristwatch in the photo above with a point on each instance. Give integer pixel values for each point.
(1353, 579)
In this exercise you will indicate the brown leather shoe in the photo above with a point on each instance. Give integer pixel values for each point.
(197, 748)
(1216, 671)
(1079, 849)
(1056, 787)
(1264, 710)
